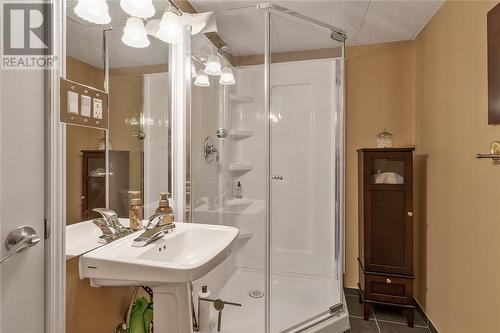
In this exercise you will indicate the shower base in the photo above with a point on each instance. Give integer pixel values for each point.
(295, 299)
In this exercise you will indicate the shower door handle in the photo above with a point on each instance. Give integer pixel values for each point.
(276, 177)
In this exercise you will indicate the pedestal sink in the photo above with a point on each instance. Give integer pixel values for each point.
(167, 266)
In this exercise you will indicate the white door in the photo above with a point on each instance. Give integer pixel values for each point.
(22, 198)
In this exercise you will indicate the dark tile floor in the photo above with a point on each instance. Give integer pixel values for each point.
(383, 319)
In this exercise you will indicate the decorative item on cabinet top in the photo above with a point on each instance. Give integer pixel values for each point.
(384, 139)
(83, 105)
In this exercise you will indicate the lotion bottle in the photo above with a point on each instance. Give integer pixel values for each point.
(164, 207)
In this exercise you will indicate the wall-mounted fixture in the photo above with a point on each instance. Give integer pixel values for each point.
(494, 152)
(134, 33)
(139, 8)
(210, 151)
(168, 29)
(193, 71)
(227, 77)
(94, 11)
(201, 79)
(213, 66)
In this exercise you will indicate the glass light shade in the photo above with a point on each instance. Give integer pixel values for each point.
(201, 79)
(138, 8)
(134, 33)
(213, 67)
(93, 11)
(227, 77)
(193, 71)
(170, 30)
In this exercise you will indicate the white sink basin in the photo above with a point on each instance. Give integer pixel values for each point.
(185, 254)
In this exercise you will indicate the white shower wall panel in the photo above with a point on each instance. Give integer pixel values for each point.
(302, 147)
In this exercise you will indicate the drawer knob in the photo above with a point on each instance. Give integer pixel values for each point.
(410, 214)
(388, 281)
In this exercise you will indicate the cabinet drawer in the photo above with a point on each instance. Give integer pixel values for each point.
(389, 289)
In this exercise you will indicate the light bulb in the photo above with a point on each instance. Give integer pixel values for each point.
(138, 8)
(227, 77)
(134, 33)
(94, 11)
(213, 67)
(201, 79)
(170, 30)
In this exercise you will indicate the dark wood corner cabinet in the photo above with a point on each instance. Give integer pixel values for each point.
(94, 182)
(386, 228)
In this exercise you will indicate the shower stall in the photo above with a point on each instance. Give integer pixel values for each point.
(266, 155)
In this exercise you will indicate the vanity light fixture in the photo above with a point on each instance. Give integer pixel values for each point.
(93, 11)
(134, 33)
(201, 79)
(213, 66)
(138, 8)
(193, 71)
(227, 77)
(170, 29)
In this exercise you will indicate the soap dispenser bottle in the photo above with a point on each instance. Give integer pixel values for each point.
(164, 207)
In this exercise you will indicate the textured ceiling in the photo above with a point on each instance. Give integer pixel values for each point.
(242, 27)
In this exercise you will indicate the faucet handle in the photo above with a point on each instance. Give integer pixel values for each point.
(155, 220)
(111, 218)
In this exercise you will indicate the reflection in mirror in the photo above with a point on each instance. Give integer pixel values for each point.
(137, 154)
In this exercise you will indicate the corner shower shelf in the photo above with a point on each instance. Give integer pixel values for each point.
(238, 202)
(245, 235)
(238, 99)
(239, 134)
(240, 167)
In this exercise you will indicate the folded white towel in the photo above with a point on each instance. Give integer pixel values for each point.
(388, 178)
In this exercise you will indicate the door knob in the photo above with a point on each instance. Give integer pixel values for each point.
(19, 239)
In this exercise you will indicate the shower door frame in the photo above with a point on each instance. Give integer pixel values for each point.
(337, 35)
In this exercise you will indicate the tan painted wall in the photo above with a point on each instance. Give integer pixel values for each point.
(379, 95)
(460, 246)
(433, 93)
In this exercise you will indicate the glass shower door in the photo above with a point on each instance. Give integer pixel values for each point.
(305, 98)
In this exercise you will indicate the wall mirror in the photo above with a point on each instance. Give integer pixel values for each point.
(134, 154)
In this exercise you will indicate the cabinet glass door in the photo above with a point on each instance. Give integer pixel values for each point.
(388, 171)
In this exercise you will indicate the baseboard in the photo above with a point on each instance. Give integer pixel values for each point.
(354, 292)
(432, 328)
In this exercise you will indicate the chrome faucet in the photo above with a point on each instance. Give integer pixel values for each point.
(110, 225)
(154, 230)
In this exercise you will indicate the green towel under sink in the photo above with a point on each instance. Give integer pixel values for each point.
(141, 316)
